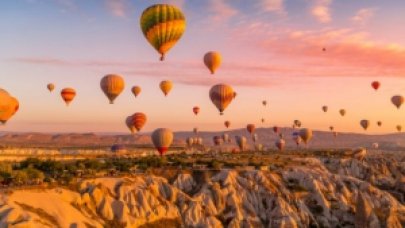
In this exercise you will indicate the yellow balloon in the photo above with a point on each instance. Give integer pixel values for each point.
(212, 60)
(112, 86)
(162, 25)
(166, 87)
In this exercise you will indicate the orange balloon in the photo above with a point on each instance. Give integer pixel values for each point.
(68, 94)
(136, 90)
(196, 110)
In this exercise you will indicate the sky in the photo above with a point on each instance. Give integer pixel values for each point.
(271, 50)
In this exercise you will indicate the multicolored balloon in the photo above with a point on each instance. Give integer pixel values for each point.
(221, 96)
(162, 25)
(306, 135)
(162, 138)
(68, 95)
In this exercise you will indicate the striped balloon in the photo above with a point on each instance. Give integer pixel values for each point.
(112, 86)
(138, 120)
(166, 87)
(68, 94)
(128, 122)
(162, 138)
(162, 25)
(221, 96)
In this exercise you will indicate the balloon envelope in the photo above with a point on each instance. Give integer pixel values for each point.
(162, 25)
(50, 87)
(68, 94)
(375, 85)
(166, 87)
(112, 85)
(364, 124)
(306, 135)
(397, 100)
(212, 61)
(136, 90)
(162, 138)
(221, 96)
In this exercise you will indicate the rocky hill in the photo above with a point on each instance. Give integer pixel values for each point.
(304, 192)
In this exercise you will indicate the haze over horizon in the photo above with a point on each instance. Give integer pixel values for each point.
(271, 49)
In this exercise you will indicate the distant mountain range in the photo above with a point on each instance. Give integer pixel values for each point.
(267, 137)
(321, 139)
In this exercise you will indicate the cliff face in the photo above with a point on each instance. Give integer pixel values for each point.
(315, 194)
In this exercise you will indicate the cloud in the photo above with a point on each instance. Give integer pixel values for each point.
(221, 11)
(272, 6)
(118, 8)
(321, 11)
(363, 15)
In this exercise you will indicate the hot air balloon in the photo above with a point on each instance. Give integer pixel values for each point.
(259, 147)
(136, 90)
(379, 123)
(342, 112)
(255, 137)
(364, 124)
(112, 85)
(297, 123)
(162, 138)
(50, 87)
(280, 144)
(8, 106)
(227, 123)
(200, 141)
(217, 140)
(324, 108)
(166, 86)
(276, 129)
(397, 100)
(241, 141)
(190, 141)
(195, 130)
(235, 94)
(375, 145)
(264, 103)
(196, 110)
(225, 137)
(306, 135)
(263, 120)
(331, 128)
(375, 85)
(118, 148)
(399, 128)
(212, 61)
(221, 96)
(162, 25)
(251, 128)
(128, 122)
(297, 138)
(138, 120)
(68, 94)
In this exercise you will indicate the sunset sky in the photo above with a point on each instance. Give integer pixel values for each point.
(271, 49)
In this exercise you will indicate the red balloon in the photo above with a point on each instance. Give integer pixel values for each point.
(251, 128)
(196, 110)
(275, 129)
(375, 85)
